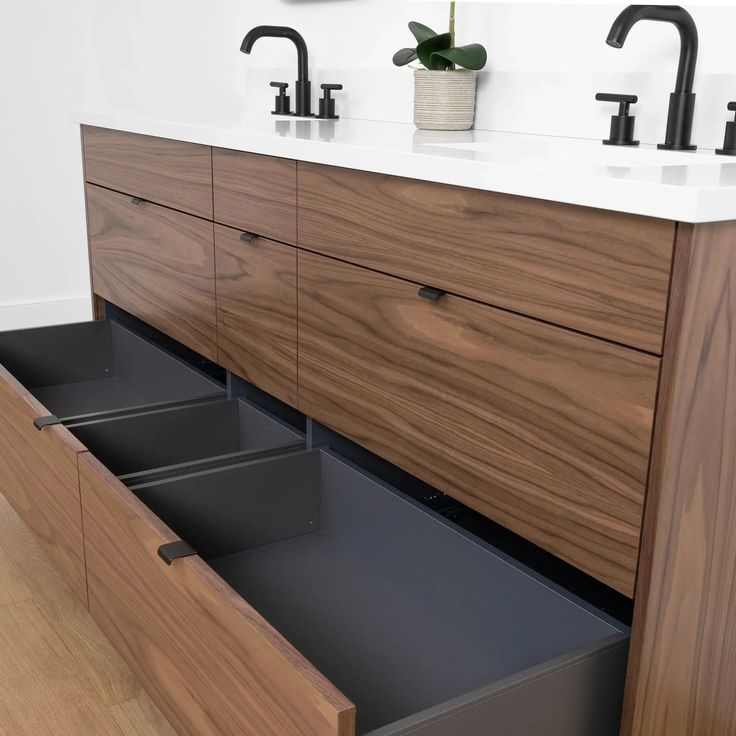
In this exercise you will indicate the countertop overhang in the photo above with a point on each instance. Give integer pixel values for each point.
(686, 187)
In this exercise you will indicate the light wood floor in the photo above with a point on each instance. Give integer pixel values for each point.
(59, 676)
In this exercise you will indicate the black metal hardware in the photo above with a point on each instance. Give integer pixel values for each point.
(40, 422)
(175, 550)
(282, 104)
(622, 125)
(327, 103)
(303, 87)
(248, 237)
(428, 292)
(729, 142)
(137, 201)
(682, 100)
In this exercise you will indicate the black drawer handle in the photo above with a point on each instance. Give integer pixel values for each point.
(248, 237)
(174, 550)
(40, 422)
(427, 292)
(137, 201)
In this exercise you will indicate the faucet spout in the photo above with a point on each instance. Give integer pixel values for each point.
(682, 100)
(303, 107)
(674, 14)
(280, 32)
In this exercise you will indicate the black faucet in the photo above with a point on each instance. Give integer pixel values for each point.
(682, 100)
(303, 107)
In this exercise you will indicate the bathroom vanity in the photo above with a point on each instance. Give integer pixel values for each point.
(564, 368)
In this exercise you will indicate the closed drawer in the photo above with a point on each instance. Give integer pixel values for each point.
(172, 173)
(320, 602)
(540, 429)
(256, 311)
(69, 371)
(603, 273)
(255, 193)
(155, 263)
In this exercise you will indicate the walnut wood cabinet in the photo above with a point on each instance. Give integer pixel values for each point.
(567, 372)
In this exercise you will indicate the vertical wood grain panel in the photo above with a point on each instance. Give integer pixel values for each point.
(682, 670)
(156, 264)
(256, 311)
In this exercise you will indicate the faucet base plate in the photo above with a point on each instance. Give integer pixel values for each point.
(676, 147)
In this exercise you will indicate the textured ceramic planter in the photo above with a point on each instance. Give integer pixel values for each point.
(444, 100)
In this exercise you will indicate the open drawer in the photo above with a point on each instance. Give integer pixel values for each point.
(303, 597)
(162, 442)
(50, 374)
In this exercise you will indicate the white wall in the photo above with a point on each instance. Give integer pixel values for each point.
(43, 260)
(545, 64)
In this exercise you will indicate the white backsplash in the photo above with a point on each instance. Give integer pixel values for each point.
(546, 62)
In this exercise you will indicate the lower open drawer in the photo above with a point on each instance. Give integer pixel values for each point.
(316, 600)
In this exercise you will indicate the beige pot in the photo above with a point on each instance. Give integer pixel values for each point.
(444, 100)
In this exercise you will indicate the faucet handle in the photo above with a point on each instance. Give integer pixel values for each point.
(282, 106)
(622, 125)
(623, 101)
(327, 103)
(729, 142)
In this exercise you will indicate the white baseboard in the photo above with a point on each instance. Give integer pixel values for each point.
(36, 314)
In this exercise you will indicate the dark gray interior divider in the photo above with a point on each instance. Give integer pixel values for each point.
(421, 625)
(97, 367)
(133, 445)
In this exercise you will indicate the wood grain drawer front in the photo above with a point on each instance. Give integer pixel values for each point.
(213, 665)
(155, 263)
(172, 173)
(603, 273)
(256, 311)
(543, 430)
(38, 476)
(255, 193)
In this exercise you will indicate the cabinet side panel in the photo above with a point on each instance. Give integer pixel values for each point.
(682, 671)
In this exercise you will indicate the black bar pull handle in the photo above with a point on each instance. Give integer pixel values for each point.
(247, 237)
(137, 201)
(40, 422)
(431, 294)
(175, 550)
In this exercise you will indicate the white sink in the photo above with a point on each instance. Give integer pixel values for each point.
(532, 150)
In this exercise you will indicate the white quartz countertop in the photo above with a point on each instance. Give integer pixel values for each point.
(689, 187)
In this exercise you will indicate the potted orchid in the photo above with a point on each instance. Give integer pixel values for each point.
(445, 86)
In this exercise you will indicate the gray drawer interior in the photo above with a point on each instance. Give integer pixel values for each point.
(158, 442)
(426, 629)
(97, 367)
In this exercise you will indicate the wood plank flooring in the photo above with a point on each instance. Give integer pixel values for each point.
(58, 674)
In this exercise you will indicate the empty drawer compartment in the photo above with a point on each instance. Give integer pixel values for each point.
(161, 441)
(97, 367)
(424, 628)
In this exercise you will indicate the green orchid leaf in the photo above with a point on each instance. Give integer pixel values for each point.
(404, 56)
(421, 32)
(430, 46)
(473, 56)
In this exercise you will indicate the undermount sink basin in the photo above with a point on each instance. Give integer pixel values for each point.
(572, 151)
